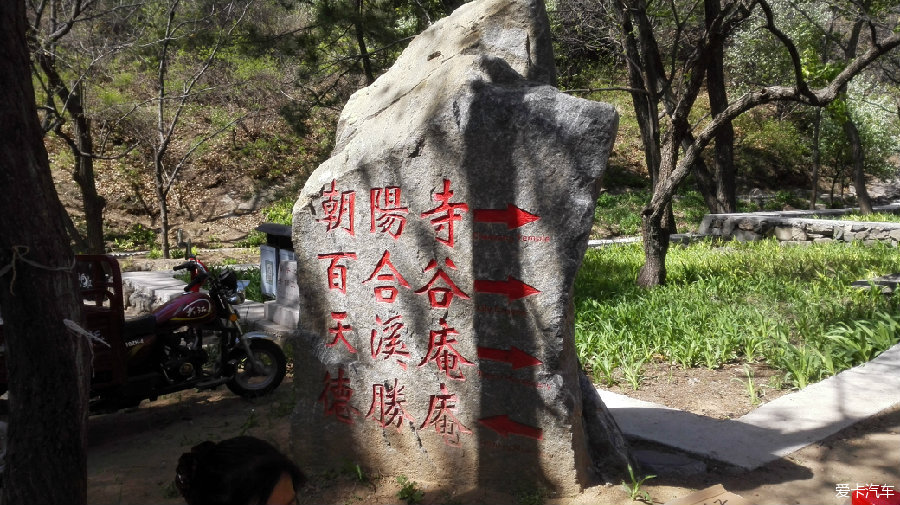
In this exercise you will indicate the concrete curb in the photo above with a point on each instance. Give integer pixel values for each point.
(775, 429)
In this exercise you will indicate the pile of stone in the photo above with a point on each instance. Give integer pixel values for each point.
(801, 226)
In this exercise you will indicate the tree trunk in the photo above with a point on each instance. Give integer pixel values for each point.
(646, 77)
(816, 158)
(163, 133)
(726, 193)
(84, 177)
(706, 183)
(857, 154)
(361, 42)
(161, 195)
(726, 196)
(48, 383)
(859, 165)
(656, 245)
(642, 77)
(657, 219)
(82, 147)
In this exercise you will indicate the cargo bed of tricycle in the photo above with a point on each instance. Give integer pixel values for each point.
(103, 315)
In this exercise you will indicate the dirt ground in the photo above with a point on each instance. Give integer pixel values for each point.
(133, 454)
(723, 393)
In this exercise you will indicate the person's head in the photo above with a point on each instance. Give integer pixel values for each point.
(237, 471)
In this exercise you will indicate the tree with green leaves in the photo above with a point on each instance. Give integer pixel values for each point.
(348, 43)
(883, 37)
(827, 36)
(672, 51)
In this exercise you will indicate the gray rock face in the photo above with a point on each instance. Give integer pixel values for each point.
(436, 254)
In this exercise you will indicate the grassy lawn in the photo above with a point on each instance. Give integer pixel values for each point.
(792, 307)
(620, 214)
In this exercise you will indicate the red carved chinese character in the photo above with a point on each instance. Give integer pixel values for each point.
(444, 215)
(339, 209)
(337, 274)
(388, 215)
(442, 352)
(338, 331)
(440, 415)
(384, 293)
(440, 297)
(389, 344)
(336, 397)
(387, 406)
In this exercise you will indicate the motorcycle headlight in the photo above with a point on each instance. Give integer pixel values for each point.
(236, 298)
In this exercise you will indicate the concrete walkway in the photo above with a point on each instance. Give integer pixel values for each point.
(774, 429)
(769, 432)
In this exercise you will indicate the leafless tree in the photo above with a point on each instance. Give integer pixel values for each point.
(65, 58)
(682, 142)
(171, 105)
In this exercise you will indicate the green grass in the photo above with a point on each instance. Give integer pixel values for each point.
(620, 214)
(136, 238)
(791, 307)
(280, 212)
(409, 490)
(877, 217)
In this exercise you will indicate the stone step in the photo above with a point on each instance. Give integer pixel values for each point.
(145, 291)
(279, 332)
(284, 315)
(250, 311)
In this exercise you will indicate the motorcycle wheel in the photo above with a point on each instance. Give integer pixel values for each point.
(251, 383)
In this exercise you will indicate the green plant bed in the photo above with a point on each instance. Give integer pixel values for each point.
(619, 214)
(253, 290)
(877, 217)
(792, 307)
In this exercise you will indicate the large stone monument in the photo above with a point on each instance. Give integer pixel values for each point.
(437, 250)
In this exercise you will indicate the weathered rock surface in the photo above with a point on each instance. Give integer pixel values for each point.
(437, 251)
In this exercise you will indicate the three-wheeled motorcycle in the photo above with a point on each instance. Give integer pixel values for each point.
(193, 341)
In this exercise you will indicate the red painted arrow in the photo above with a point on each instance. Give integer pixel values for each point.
(504, 426)
(514, 356)
(513, 288)
(513, 216)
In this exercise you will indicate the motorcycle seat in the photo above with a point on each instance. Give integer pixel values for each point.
(143, 325)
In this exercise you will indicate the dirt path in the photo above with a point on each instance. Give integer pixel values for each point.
(132, 458)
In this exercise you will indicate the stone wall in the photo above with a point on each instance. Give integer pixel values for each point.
(801, 226)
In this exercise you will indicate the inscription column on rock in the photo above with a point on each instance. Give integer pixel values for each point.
(414, 319)
(399, 336)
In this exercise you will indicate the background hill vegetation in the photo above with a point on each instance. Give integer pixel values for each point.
(169, 114)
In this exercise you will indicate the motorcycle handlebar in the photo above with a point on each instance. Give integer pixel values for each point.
(196, 281)
(190, 265)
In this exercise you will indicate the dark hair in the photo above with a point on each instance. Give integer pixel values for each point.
(237, 471)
